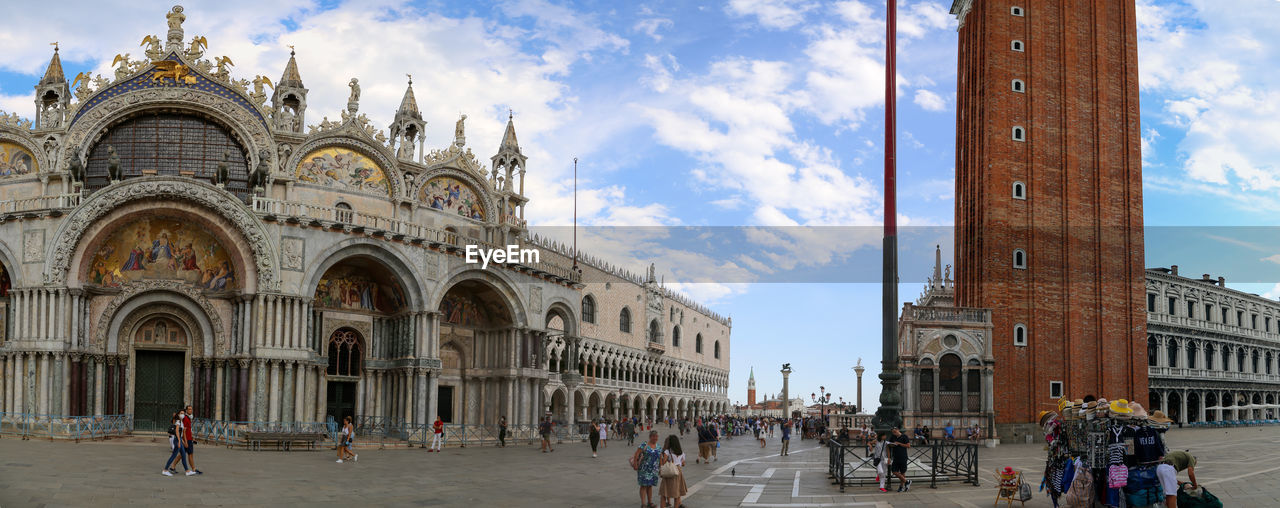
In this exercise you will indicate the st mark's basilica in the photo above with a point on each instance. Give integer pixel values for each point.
(174, 234)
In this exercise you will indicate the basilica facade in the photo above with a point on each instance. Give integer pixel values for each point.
(174, 234)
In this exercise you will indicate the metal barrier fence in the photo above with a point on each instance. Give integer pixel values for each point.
(421, 434)
(233, 433)
(851, 464)
(29, 425)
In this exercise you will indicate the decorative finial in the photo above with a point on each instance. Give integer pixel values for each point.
(410, 79)
(55, 46)
(291, 52)
(509, 113)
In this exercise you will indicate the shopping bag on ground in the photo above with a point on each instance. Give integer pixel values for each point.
(1024, 492)
(1204, 500)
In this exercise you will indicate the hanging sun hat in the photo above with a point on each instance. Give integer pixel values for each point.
(1159, 417)
(1120, 409)
(1104, 408)
(1046, 417)
(1079, 405)
(1138, 411)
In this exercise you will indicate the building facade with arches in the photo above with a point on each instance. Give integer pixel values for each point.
(174, 234)
(1213, 353)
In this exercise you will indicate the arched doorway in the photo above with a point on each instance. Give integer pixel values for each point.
(477, 318)
(346, 361)
(160, 347)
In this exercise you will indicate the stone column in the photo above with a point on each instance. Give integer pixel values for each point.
(321, 399)
(786, 391)
(1182, 415)
(287, 394)
(433, 386)
(219, 384)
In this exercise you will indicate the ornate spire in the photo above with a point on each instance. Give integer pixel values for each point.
(291, 76)
(509, 138)
(753, 374)
(409, 104)
(53, 74)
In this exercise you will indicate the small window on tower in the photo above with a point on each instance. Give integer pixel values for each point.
(1016, 11)
(1020, 335)
(1019, 190)
(1055, 389)
(1019, 258)
(1019, 134)
(1016, 45)
(1019, 86)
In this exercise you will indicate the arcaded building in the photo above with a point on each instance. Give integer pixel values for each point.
(1048, 223)
(174, 234)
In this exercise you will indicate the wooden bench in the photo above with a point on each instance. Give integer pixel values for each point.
(283, 440)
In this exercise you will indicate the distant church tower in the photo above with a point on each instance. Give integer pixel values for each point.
(1048, 224)
(751, 388)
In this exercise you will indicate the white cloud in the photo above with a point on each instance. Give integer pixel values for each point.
(1214, 73)
(651, 26)
(778, 14)
(930, 101)
(1274, 258)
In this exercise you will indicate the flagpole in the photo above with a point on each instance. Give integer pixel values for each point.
(575, 214)
(889, 414)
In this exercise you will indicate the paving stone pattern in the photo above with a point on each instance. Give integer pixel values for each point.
(1241, 466)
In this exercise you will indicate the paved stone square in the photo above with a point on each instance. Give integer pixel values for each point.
(1239, 465)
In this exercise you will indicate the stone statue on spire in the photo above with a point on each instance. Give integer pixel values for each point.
(353, 101)
(459, 132)
(175, 18)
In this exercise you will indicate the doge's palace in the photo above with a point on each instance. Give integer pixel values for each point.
(175, 234)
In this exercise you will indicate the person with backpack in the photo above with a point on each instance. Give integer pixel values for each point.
(177, 445)
(786, 438)
(672, 487)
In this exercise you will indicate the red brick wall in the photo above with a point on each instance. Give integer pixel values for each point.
(1082, 295)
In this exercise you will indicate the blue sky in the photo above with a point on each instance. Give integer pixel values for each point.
(738, 113)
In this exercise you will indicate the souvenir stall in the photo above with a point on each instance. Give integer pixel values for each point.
(1103, 453)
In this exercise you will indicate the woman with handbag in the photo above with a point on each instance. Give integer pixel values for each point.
(881, 462)
(645, 462)
(594, 436)
(671, 469)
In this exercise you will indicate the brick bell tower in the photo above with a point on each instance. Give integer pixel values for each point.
(1049, 198)
(751, 388)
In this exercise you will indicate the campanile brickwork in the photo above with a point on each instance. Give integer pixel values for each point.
(1079, 218)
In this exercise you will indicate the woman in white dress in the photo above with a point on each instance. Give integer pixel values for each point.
(604, 434)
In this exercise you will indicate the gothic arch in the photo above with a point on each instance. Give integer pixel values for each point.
(89, 125)
(342, 138)
(564, 309)
(477, 183)
(396, 262)
(24, 139)
(495, 280)
(8, 259)
(211, 339)
(66, 245)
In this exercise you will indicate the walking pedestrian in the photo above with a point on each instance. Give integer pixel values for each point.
(351, 439)
(177, 446)
(604, 433)
(594, 436)
(502, 432)
(786, 437)
(759, 433)
(645, 462)
(630, 430)
(544, 430)
(191, 440)
(346, 438)
(880, 461)
(673, 488)
(900, 443)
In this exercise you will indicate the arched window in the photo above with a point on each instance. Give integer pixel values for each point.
(926, 384)
(655, 333)
(588, 309)
(1016, 45)
(1019, 258)
(717, 349)
(1173, 353)
(1019, 190)
(1268, 363)
(949, 373)
(1019, 86)
(1239, 359)
(697, 343)
(675, 337)
(624, 320)
(1020, 334)
(1257, 359)
(346, 350)
(1191, 354)
(1153, 349)
(973, 373)
(1019, 134)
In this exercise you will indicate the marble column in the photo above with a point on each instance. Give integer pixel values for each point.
(287, 395)
(433, 389)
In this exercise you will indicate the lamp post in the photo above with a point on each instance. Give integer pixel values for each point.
(889, 414)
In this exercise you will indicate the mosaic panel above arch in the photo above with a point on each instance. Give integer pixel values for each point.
(452, 195)
(162, 248)
(16, 160)
(342, 168)
(360, 284)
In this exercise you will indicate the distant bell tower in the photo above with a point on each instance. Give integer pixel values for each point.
(1048, 223)
(53, 96)
(289, 99)
(751, 388)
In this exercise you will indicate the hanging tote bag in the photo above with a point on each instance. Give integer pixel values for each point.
(670, 469)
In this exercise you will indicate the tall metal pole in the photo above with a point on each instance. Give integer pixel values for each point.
(575, 214)
(889, 414)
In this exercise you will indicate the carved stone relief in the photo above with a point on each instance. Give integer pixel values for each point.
(33, 246)
(292, 252)
(136, 288)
